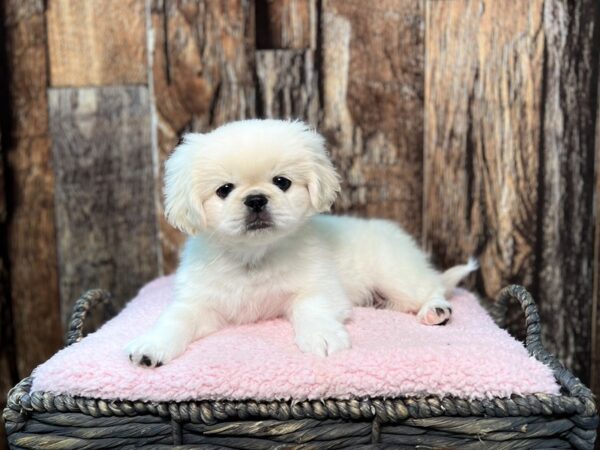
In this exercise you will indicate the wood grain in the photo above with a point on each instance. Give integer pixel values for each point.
(7, 356)
(106, 219)
(286, 24)
(373, 105)
(31, 229)
(288, 85)
(202, 76)
(483, 93)
(595, 355)
(509, 154)
(96, 42)
(572, 31)
(8, 368)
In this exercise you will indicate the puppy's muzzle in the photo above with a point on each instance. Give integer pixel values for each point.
(258, 216)
(256, 203)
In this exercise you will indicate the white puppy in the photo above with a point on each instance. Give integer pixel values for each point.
(249, 194)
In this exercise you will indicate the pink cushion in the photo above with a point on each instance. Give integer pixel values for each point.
(392, 355)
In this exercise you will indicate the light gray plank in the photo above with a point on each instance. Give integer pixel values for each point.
(105, 213)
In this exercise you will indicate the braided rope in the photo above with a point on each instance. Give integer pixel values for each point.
(89, 300)
(533, 341)
(577, 402)
(385, 410)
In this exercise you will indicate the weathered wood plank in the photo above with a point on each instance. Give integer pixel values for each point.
(572, 32)
(483, 93)
(288, 85)
(595, 357)
(7, 355)
(373, 105)
(286, 24)
(8, 367)
(31, 229)
(509, 154)
(202, 76)
(96, 42)
(106, 219)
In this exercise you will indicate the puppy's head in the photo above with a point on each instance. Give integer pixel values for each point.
(253, 179)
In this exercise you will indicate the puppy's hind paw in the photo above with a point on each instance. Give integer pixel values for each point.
(323, 339)
(435, 312)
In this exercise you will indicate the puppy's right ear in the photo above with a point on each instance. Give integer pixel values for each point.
(183, 206)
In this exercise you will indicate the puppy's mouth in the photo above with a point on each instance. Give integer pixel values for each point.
(258, 221)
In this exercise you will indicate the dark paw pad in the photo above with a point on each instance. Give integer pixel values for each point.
(145, 361)
(441, 312)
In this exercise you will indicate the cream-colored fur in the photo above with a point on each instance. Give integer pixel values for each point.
(308, 267)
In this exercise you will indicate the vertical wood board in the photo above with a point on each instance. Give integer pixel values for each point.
(105, 214)
(30, 226)
(372, 68)
(96, 42)
(565, 282)
(595, 332)
(286, 24)
(202, 70)
(288, 85)
(482, 136)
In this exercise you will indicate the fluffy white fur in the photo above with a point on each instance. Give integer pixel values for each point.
(307, 267)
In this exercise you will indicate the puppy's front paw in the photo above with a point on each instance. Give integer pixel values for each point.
(323, 338)
(149, 350)
(435, 312)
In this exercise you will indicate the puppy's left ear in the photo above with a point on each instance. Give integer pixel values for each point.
(324, 182)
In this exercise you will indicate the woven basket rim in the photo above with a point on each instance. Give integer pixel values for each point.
(575, 398)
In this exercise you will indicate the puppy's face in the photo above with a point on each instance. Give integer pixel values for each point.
(253, 180)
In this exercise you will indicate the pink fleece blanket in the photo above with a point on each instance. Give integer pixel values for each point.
(392, 355)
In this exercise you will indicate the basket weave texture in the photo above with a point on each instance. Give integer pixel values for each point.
(569, 420)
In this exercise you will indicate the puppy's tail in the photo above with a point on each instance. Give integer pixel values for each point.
(453, 275)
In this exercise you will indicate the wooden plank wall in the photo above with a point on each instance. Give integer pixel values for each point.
(105, 215)
(373, 105)
(508, 163)
(8, 369)
(202, 71)
(572, 32)
(31, 241)
(473, 123)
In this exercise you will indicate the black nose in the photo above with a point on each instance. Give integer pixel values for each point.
(256, 202)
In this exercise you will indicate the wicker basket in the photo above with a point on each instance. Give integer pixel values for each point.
(569, 420)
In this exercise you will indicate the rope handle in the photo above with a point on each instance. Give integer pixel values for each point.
(91, 299)
(533, 342)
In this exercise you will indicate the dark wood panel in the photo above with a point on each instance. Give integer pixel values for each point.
(565, 282)
(286, 24)
(8, 368)
(31, 228)
(7, 350)
(97, 42)
(288, 85)
(203, 76)
(595, 357)
(106, 219)
(372, 63)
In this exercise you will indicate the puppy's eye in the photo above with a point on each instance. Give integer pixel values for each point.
(282, 183)
(224, 190)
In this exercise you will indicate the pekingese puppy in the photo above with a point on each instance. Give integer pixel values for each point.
(249, 195)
